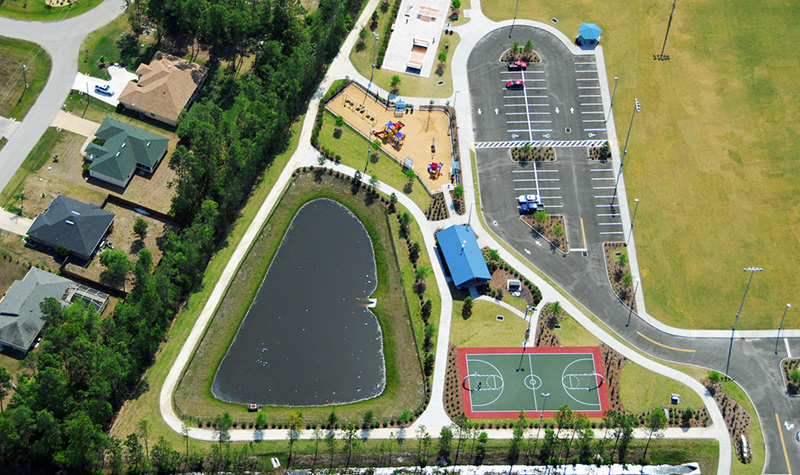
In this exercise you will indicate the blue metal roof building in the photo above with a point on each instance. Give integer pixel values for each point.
(588, 36)
(463, 256)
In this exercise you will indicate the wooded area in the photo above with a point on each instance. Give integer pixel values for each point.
(85, 368)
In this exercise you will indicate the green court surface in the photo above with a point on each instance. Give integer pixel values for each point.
(499, 382)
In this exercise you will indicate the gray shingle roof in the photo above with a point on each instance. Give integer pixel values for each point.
(124, 147)
(73, 224)
(20, 315)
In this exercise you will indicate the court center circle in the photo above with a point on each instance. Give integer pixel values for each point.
(533, 382)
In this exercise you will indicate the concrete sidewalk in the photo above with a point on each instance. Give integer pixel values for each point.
(14, 223)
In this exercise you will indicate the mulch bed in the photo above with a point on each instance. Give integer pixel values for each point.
(438, 209)
(546, 229)
(533, 154)
(501, 273)
(737, 419)
(544, 328)
(600, 153)
(458, 203)
(521, 55)
(787, 366)
(616, 273)
(452, 390)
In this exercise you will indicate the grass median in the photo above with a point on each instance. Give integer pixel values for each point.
(15, 98)
(711, 156)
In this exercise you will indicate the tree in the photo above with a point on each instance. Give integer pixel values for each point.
(410, 174)
(458, 191)
(140, 228)
(625, 426)
(321, 159)
(330, 442)
(404, 220)
(367, 419)
(413, 252)
(5, 386)
(462, 427)
(293, 433)
(143, 426)
(422, 272)
(392, 202)
(558, 231)
(466, 309)
(528, 48)
(222, 426)
(133, 451)
(117, 264)
(339, 122)
(349, 438)
(514, 47)
(445, 442)
(540, 217)
(425, 309)
(357, 177)
(622, 258)
(396, 84)
(115, 455)
(627, 278)
(443, 56)
(516, 439)
(374, 182)
(656, 421)
(456, 4)
(333, 420)
(317, 437)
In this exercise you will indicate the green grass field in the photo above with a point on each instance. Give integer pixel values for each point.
(15, 100)
(711, 155)
(482, 329)
(37, 10)
(754, 435)
(353, 149)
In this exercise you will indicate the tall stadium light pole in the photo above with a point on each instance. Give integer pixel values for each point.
(778, 337)
(633, 220)
(630, 309)
(637, 107)
(668, 25)
(515, 19)
(612, 99)
(377, 37)
(541, 417)
(751, 270)
(525, 341)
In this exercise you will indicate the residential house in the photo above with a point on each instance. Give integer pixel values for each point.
(72, 224)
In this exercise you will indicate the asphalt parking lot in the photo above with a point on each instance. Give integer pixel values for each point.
(560, 106)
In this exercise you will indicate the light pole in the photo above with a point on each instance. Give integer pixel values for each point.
(668, 25)
(24, 76)
(541, 417)
(637, 108)
(633, 219)
(515, 19)
(455, 99)
(778, 337)
(751, 270)
(377, 37)
(525, 341)
(469, 217)
(612, 99)
(630, 309)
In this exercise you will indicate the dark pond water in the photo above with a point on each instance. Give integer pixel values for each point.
(307, 340)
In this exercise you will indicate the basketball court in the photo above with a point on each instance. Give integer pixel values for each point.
(498, 382)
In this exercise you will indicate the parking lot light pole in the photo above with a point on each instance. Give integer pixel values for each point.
(630, 309)
(612, 100)
(455, 99)
(778, 337)
(637, 107)
(633, 220)
(751, 270)
(541, 417)
(377, 37)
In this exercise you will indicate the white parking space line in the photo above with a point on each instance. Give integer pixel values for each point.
(593, 95)
(513, 131)
(593, 120)
(530, 189)
(586, 79)
(588, 87)
(613, 232)
(610, 224)
(594, 130)
(535, 88)
(552, 198)
(608, 215)
(531, 171)
(603, 197)
(529, 122)
(587, 62)
(593, 112)
(586, 71)
(591, 103)
(604, 206)
(603, 178)
(554, 206)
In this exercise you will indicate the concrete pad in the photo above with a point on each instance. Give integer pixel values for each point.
(420, 20)
(8, 127)
(75, 124)
(120, 77)
(14, 223)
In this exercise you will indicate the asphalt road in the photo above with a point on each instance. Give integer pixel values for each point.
(754, 364)
(62, 40)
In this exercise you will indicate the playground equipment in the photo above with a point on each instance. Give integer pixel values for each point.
(391, 131)
(435, 169)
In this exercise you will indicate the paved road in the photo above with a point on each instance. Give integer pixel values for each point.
(62, 40)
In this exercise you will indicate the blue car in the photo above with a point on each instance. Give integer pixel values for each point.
(104, 89)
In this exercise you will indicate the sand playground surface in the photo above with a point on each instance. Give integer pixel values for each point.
(422, 130)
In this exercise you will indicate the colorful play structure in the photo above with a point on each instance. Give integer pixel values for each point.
(435, 169)
(391, 131)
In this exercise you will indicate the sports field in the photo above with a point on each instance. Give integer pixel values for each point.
(499, 382)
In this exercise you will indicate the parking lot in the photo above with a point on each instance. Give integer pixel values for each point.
(559, 106)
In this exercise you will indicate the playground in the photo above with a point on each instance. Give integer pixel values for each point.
(499, 382)
(422, 136)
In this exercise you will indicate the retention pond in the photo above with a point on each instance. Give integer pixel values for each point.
(308, 338)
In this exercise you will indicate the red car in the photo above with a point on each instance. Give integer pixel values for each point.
(517, 66)
(515, 84)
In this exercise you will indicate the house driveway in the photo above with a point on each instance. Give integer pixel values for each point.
(120, 77)
(14, 223)
(75, 124)
(7, 127)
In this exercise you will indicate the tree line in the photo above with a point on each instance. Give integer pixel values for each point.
(85, 368)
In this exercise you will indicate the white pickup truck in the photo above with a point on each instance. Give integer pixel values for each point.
(529, 203)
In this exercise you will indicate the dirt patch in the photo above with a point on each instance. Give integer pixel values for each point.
(427, 132)
(788, 367)
(552, 228)
(438, 208)
(533, 154)
(737, 419)
(11, 269)
(619, 273)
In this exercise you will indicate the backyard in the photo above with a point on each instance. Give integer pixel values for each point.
(713, 131)
(15, 99)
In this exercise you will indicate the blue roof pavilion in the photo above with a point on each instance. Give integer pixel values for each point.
(463, 256)
(588, 35)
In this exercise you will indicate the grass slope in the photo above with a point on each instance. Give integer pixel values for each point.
(482, 329)
(15, 100)
(712, 154)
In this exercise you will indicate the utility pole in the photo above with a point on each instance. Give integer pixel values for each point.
(661, 56)
(751, 270)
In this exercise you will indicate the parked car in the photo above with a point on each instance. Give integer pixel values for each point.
(105, 90)
(529, 203)
(517, 84)
(517, 66)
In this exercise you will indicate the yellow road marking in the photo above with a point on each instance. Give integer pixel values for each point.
(584, 235)
(663, 345)
(783, 444)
